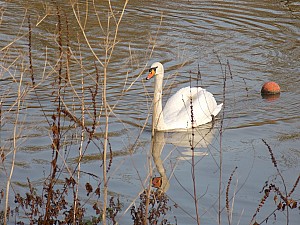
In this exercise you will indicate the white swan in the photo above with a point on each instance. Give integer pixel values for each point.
(177, 111)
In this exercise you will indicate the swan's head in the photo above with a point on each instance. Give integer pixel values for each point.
(155, 69)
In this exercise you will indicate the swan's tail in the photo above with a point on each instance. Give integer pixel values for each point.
(217, 109)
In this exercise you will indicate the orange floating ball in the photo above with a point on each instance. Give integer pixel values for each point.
(270, 88)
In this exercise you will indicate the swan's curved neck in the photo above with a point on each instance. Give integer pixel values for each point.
(158, 118)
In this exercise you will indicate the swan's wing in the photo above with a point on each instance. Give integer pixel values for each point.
(175, 111)
(204, 107)
(178, 109)
(217, 109)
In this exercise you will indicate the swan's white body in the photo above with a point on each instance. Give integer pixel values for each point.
(178, 111)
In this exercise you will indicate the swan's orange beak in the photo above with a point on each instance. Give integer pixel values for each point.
(151, 74)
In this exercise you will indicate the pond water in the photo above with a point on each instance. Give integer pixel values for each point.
(198, 42)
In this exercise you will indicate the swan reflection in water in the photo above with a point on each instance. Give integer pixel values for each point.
(199, 138)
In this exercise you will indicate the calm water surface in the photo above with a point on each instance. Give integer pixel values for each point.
(259, 40)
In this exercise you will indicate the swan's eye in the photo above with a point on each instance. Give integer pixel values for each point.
(150, 70)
